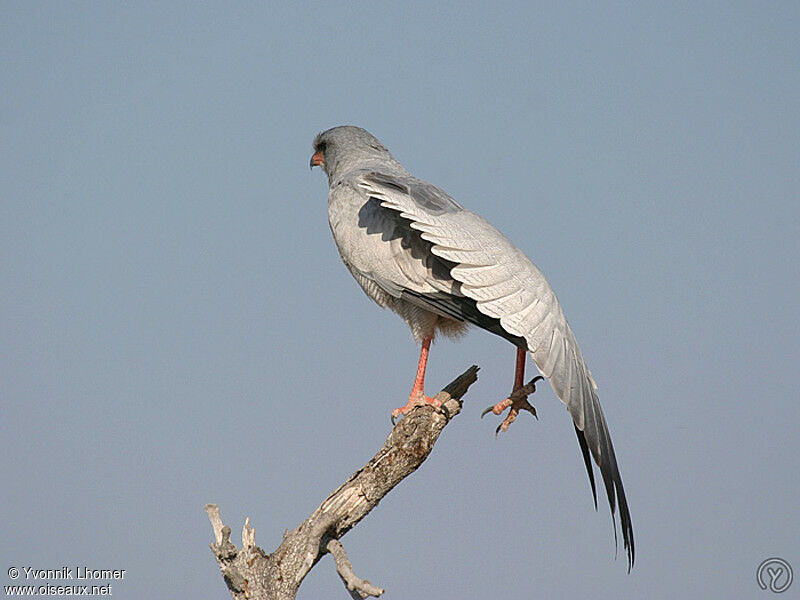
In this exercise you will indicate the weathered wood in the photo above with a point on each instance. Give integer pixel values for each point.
(252, 574)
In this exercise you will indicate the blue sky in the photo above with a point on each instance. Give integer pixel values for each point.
(177, 328)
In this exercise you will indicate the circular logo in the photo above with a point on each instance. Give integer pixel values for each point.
(774, 574)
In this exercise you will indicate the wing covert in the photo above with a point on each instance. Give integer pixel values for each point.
(507, 286)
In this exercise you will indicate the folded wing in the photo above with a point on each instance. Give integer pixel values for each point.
(508, 288)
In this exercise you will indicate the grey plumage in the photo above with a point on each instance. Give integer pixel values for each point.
(414, 249)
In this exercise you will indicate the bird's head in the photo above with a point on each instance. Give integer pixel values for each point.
(346, 147)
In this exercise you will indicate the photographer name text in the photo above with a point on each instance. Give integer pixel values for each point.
(77, 573)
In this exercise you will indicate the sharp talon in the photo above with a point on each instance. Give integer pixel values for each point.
(517, 401)
(446, 412)
(392, 419)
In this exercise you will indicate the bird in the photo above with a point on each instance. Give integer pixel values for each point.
(413, 249)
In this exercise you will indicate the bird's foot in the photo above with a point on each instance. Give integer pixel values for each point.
(413, 401)
(517, 401)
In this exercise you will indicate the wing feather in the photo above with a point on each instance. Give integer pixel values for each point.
(507, 286)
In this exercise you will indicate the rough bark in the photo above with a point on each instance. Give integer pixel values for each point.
(252, 574)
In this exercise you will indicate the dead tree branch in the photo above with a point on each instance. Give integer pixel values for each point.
(252, 574)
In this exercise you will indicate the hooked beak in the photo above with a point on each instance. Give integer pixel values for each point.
(316, 160)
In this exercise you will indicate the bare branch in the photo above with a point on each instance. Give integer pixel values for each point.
(353, 583)
(216, 521)
(252, 574)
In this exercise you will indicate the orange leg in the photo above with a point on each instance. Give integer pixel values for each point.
(419, 380)
(417, 396)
